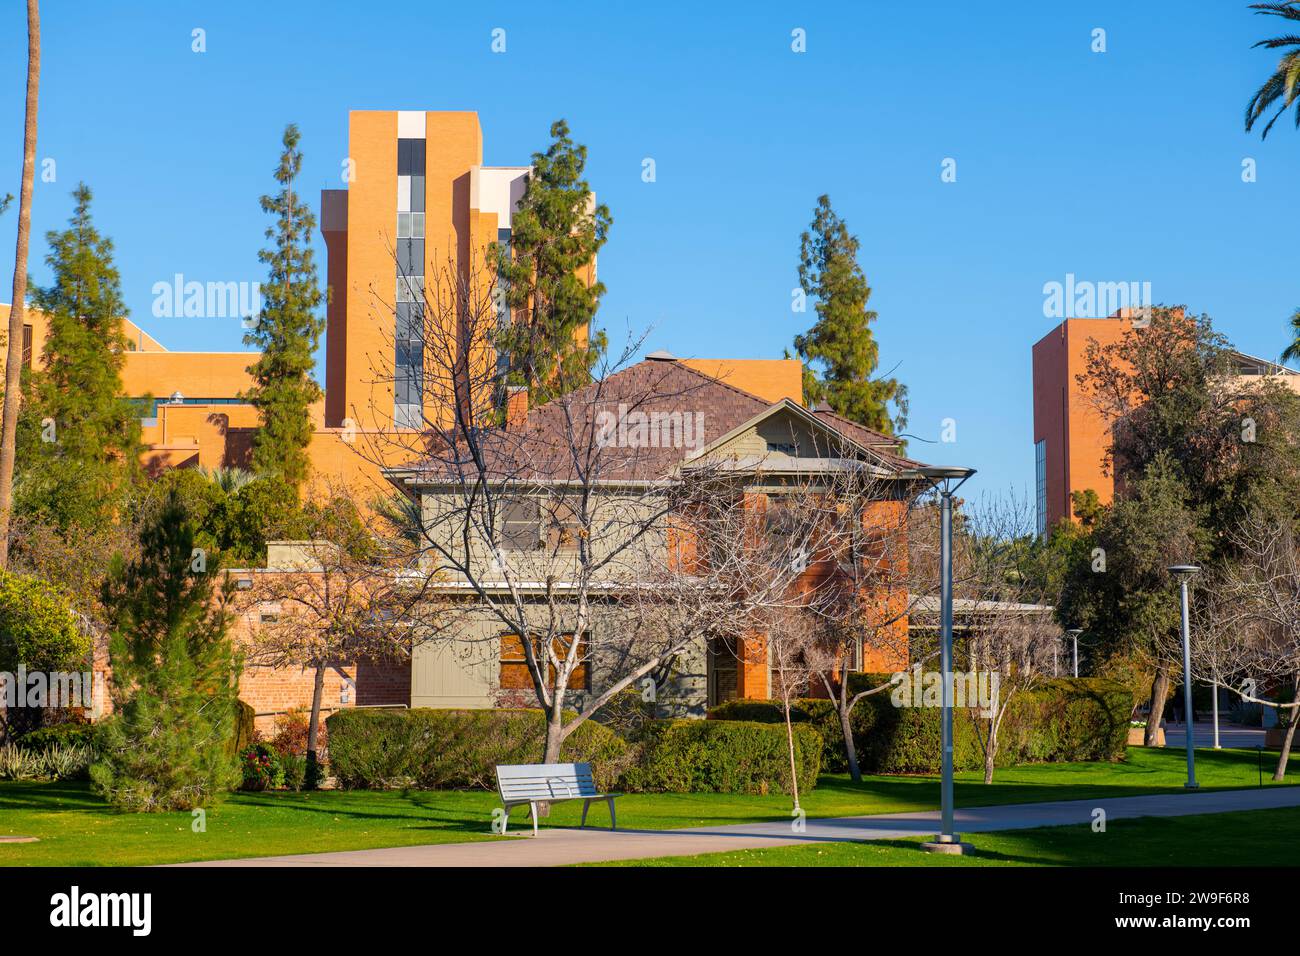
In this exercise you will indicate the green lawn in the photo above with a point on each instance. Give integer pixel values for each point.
(77, 829)
(1250, 838)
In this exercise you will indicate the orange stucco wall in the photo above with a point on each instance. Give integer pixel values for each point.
(770, 379)
(1077, 437)
(455, 237)
(193, 374)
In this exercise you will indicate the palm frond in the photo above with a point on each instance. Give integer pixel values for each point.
(228, 480)
(1292, 351)
(1281, 86)
(1288, 9)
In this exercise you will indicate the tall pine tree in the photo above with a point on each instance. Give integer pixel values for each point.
(288, 329)
(79, 439)
(175, 676)
(839, 352)
(555, 235)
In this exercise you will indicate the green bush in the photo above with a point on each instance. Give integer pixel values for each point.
(448, 749)
(66, 734)
(293, 771)
(1062, 720)
(819, 713)
(723, 756)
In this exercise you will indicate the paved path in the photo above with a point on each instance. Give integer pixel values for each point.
(557, 847)
(1230, 736)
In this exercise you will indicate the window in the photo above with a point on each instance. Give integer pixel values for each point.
(410, 225)
(780, 520)
(1040, 484)
(410, 257)
(503, 307)
(27, 346)
(408, 336)
(521, 525)
(514, 663)
(563, 525)
(410, 288)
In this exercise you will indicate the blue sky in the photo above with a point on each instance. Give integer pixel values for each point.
(1115, 166)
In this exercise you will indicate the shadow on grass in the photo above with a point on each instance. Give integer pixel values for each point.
(418, 810)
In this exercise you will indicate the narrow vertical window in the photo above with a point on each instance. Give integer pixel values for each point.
(1040, 484)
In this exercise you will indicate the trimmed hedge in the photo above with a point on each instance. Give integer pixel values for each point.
(814, 712)
(723, 756)
(449, 749)
(1062, 720)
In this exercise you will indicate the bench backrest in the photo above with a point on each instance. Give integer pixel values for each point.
(545, 781)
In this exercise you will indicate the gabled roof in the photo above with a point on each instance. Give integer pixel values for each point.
(671, 400)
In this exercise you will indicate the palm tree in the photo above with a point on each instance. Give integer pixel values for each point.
(14, 358)
(228, 480)
(1292, 351)
(1281, 87)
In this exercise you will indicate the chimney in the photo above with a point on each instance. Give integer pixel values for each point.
(516, 406)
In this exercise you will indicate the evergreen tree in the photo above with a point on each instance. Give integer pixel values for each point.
(79, 439)
(288, 330)
(175, 676)
(839, 352)
(555, 235)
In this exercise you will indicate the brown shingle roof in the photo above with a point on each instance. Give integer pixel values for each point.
(703, 409)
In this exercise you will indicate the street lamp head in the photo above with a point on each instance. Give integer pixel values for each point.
(1182, 570)
(945, 479)
(1074, 631)
(943, 472)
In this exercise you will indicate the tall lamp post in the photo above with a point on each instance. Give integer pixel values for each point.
(1074, 632)
(945, 480)
(1184, 572)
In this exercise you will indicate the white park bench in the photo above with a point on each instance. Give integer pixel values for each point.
(536, 783)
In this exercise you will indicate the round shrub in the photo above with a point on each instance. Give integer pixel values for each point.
(723, 756)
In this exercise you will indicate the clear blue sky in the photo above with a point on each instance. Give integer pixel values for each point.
(1118, 166)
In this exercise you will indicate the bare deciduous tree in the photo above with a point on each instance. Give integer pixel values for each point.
(1247, 633)
(1010, 640)
(343, 597)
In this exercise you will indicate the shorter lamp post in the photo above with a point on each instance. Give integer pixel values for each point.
(1184, 572)
(1074, 632)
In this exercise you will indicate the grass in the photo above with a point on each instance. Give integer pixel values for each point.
(1249, 838)
(76, 828)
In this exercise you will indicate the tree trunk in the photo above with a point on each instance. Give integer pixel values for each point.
(554, 741)
(554, 736)
(14, 356)
(850, 748)
(1285, 755)
(1159, 690)
(789, 736)
(990, 754)
(313, 729)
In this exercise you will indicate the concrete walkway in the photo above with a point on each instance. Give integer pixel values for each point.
(557, 847)
(1230, 736)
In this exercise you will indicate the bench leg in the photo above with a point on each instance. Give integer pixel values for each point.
(586, 805)
(532, 808)
(505, 820)
(613, 825)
